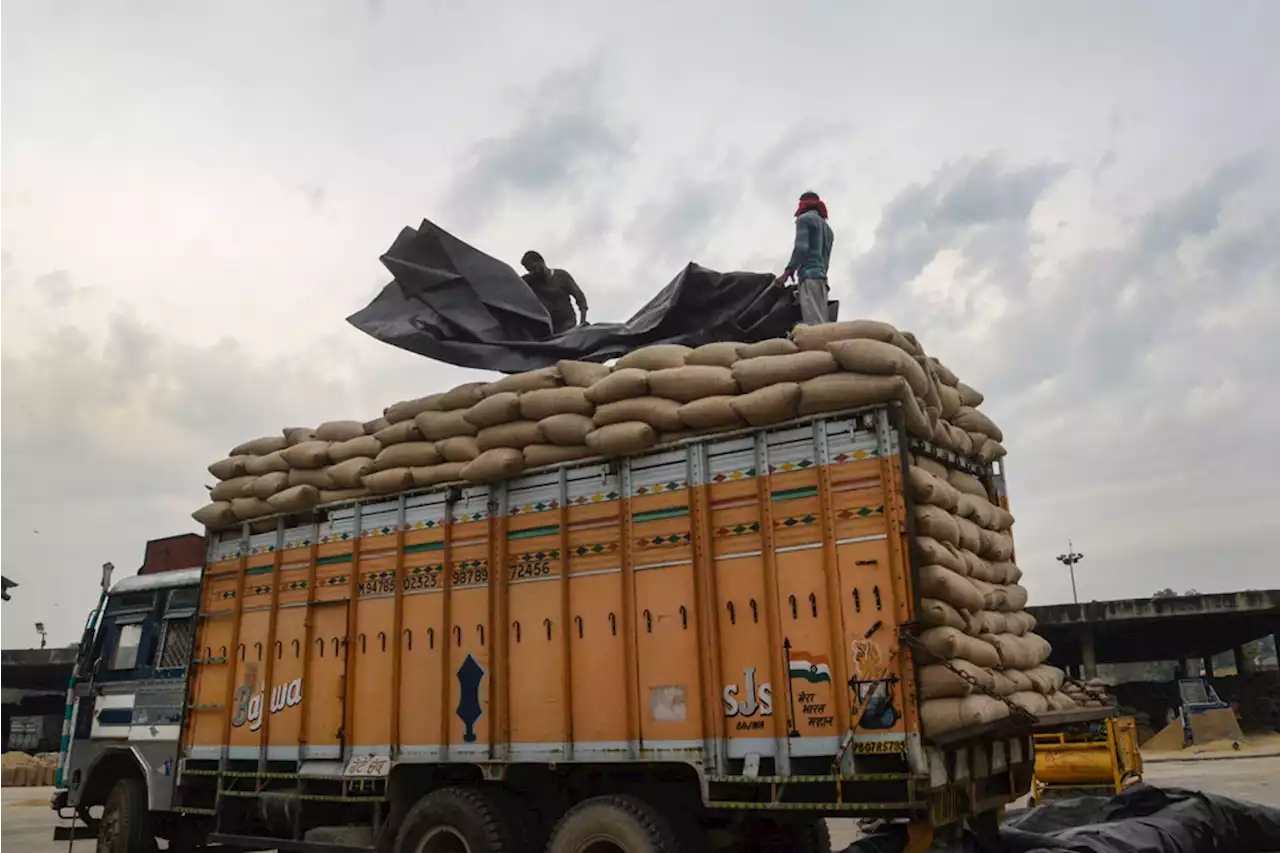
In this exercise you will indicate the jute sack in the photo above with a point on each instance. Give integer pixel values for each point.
(946, 585)
(978, 510)
(460, 448)
(329, 496)
(768, 405)
(1005, 571)
(930, 550)
(232, 466)
(1030, 701)
(970, 533)
(1020, 653)
(968, 396)
(437, 426)
(721, 354)
(308, 455)
(248, 508)
(992, 450)
(945, 373)
(530, 380)
(513, 435)
(581, 374)
(496, 464)
(464, 396)
(259, 465)
(350, 473)
(657, 412)
(936, 614)
(567, 430)
(1002, 684)
(933, 466)
(298, 435)
(262, 524)
(992, 595)
(536, 405)
(339, 430)
(1019, 623)
(972, 420)
(693, 382)
(267, 485)
(403, 431)
(318, 477)
(771, 346)
(619, 385)
(927, 488)
(537, 455)
(984, 622)
(295, 499)
(979, 442)
(411, 454)
(623, 439)
(956, 439)
(654, 357)
(976, 567)
(936, 681)
(709, 413)
(1015, 597)
(817, 337)
(500, 408)
(371, 427)
(216, 515)
(1061, 702)
(942, 716)
(1018, 679)
(996, 546)
(230, 489)
(1046, 679)
(364, 447)
(765, 370)
(880, 359)
(837, 391)
(949, 398)
(434, 475)
(937, 523)
(260, 446)
(407, 410)
(967, 483)
(947, 643)
(389, 481)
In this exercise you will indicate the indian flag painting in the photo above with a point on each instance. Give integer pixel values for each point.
(812, 668)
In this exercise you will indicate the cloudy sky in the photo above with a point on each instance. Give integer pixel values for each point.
(1076, 209)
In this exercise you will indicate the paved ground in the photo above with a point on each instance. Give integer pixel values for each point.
(27, 823)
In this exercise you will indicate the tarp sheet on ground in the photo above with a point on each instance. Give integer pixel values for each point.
(1143, 818)
(451, 302)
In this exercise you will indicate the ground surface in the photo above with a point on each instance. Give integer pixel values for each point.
(27, 823)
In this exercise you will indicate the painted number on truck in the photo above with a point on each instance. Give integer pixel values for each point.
(530, 569)
(878, 747)
(470, 577)
(368, 765)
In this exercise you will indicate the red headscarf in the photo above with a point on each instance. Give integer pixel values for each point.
(812, 204)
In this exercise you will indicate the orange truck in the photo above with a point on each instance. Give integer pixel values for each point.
(706, 646)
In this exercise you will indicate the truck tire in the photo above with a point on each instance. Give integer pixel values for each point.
(125, 826)
(614, 824)
(459, 820)
(787, 835)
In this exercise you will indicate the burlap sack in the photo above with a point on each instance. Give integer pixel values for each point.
(984, 622)
(945, 373)
(949, 399)
(372, 427)
(227, 490)
(692, 382)
(1018, 679)
(267, 485)
(623, 439)
(410, 454)
(581, 374)
(350, 473)
(464, 396)
(530, 380)
(939, 717)
(771, 346)
(567, 430)
(654, 357)
(967, 483)
(496, 464)
(329, 496)
(398, 433)
(992, 595)
(295, 499)
(308, 455)
(259, 465)
(979, 442)
(434, 475)
(389, 481)
(721, 354)
(936, 522)
(971, 419)
(946, 643)
(953, 438)
(980, 511)
(260, 446)
(926, 488)
(366, 446)
(407, 410)
(1018, 652)
(658, 412)
(1005, 572)
(769, 405)
(294, 436)
(709, 413)
(502, 407)
(619, 385)
(318, 477)
(1046, 679)
(516, 435)
(339, 430)
(968, 396)
(983, 569)
(460, 448)
(765, 370)
(935, 614)
(1015, 597)
(437, 426)
(936, 681)
(232, 466)
(970, 534)
(933, 466)
(1002, 685)
(1002, 518)
(951, 587)
(536, 405)
(1030, 701)
(930, 550)
(264, 525)
(247, 508)
(818, 337)
(215, 516)
(880, 359)
(537, 455)
(839, 391)
(991, 451)
(996, 546)
(1019, 623)
(1061, 702)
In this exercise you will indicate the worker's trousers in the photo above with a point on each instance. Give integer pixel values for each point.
(812, 294)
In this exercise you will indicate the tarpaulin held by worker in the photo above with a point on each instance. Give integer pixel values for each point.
(450, 301)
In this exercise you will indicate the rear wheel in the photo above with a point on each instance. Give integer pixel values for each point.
(125, 826)
(459, 820)
(614, 824)
(783, 835)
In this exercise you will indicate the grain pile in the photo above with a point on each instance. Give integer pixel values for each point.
(28, 771)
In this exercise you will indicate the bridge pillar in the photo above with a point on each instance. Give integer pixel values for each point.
(1088, 654)
(1206, 663)
(1244, 663)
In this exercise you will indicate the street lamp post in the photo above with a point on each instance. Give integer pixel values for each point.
(43, 634)
(1070, 559)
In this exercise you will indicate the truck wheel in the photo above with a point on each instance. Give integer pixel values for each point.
(614, 824)
(781, 835)
(125, 826)
(458, 820)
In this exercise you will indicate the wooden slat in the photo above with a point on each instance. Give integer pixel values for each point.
(397, 623)
(773, 618)
(264, 736)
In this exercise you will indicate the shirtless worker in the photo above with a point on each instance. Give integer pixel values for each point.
(554, 289)
(810, 257)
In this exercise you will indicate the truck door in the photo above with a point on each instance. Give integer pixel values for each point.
(325, 685)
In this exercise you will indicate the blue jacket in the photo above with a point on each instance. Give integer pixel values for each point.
(812, 253)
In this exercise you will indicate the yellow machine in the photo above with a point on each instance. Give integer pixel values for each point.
(1087, 756)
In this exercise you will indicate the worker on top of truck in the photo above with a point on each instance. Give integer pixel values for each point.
(810, 258)
(554, 289)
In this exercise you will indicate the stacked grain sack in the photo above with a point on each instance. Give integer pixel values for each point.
(482, 432)
(1089, 694)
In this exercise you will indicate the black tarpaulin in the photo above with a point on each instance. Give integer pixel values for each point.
(451, 302)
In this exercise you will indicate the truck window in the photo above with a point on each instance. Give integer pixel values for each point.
(175, 644)
(125, 653)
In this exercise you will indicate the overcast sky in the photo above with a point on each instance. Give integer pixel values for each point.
(1077, 210)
